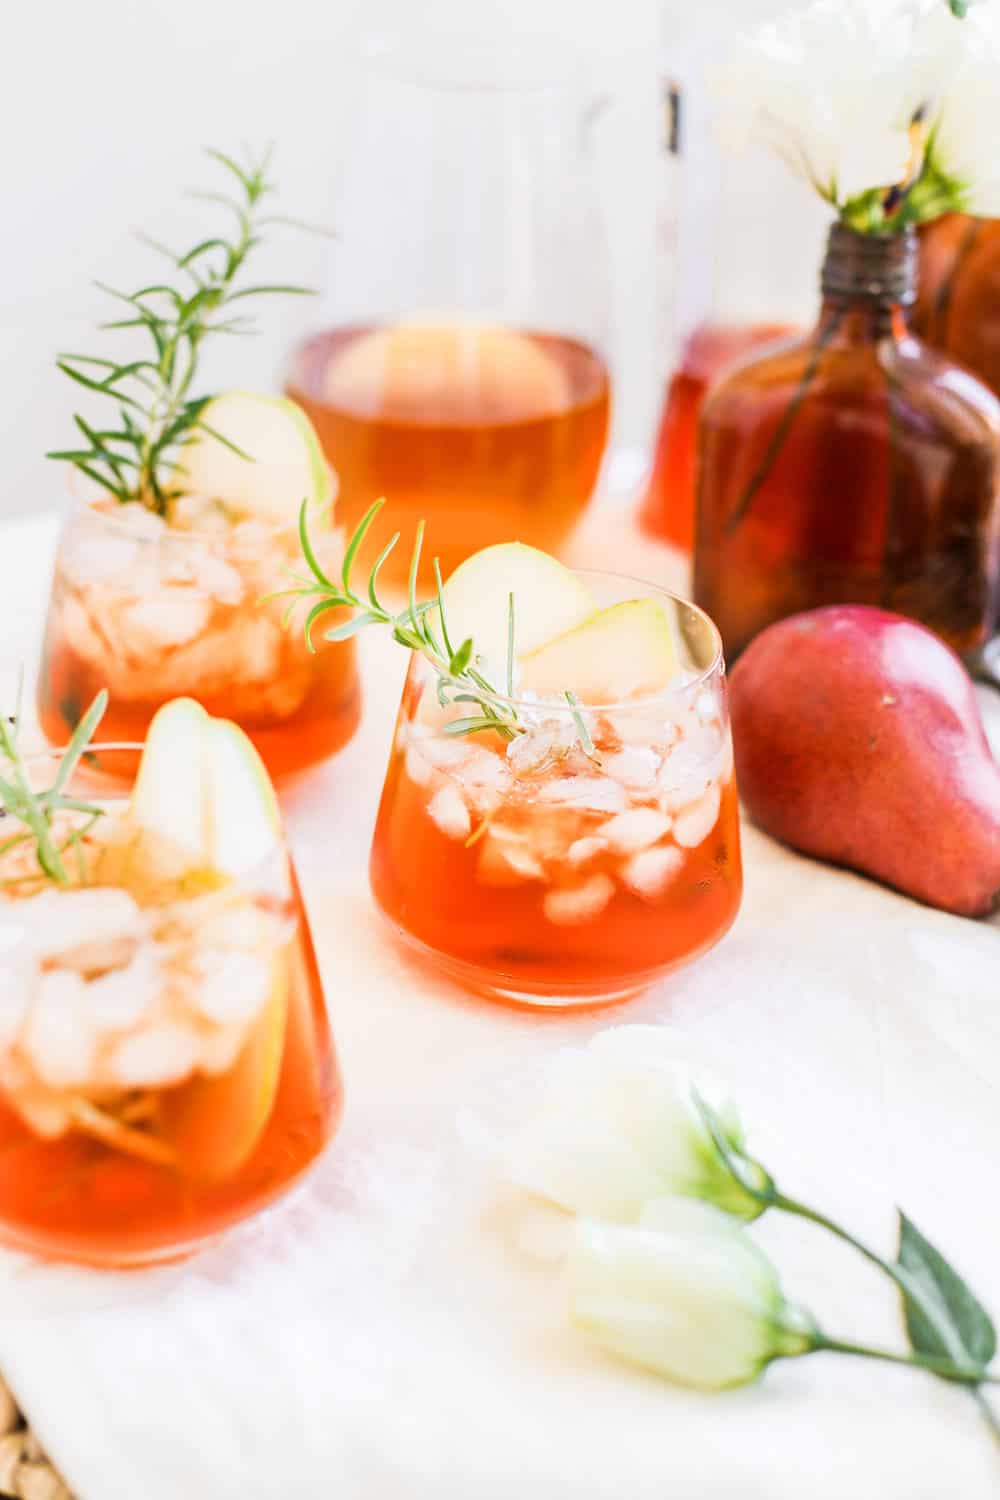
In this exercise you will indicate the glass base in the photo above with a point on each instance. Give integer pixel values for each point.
(108, 1258)
(505, 989)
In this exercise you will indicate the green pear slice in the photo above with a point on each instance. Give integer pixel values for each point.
(242, 810)
(284, 463)
(167, 812)
(626, 651)
(548, 600)
(203, 808)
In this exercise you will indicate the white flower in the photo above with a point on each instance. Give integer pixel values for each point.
(833, 88)
(619, 1124)
(685, 1293)
(965, 120)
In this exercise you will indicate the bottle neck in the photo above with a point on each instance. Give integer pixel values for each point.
(869, 281)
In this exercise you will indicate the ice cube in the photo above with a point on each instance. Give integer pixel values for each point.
(507, 859)
(139, 521)
(649, 872)
(706, 706)
(633, 728)
(634, 766)
(584, 850)
(231, 987)
(683, 777)
(636, 829)
(171, 617)
(58, 1040)
(593, 793)
(101, 559)
(483, 770)
(448, 810)
(695, 823)
(447, 751)
(159, 1055)
(572, 905)
(121, 999)
(198, 568)
(419, 770)
(90, 930)
(220, 1050)
(528, 751)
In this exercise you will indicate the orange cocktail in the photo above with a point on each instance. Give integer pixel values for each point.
(552, 867)
(166, 1067)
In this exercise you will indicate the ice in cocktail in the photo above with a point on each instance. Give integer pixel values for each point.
(166, 1068)
(559, 821)
(188, 523)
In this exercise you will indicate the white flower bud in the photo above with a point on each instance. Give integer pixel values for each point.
(685, 1293)
(619, 1124)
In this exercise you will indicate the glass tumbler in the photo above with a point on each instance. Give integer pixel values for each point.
(543, 875)
(166, 1066)
(152, 611)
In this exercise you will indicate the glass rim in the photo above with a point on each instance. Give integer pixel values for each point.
(117, 791)
(695, 682)
(89, 506)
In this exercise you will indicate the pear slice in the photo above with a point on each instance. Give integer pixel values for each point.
(242, 817)
(284, 463)
(212, 1125)
(548, 600)
(626, 651)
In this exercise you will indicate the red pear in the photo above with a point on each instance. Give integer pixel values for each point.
(858, 740)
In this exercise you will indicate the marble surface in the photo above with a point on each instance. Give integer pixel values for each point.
(397, 1327)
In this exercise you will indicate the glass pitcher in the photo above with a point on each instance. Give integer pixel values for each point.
(737, 252)
(457, 366)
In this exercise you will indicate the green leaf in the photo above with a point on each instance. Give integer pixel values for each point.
(962, 1330)
(270, 291)
(461, 658)
(352, 626)
(469, 726)
(360, 532)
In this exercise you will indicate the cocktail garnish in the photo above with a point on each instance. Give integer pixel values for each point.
(460, 671)
(137, 460)
(36, 810)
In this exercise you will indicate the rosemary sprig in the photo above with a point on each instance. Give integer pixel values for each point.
(137, 459)
(459, 670)
(36, 810)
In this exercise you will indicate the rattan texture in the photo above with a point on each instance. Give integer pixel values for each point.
(25, 1471)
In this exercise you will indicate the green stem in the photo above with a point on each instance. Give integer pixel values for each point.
(965, 1374)
(909, 1288)
(784, 427)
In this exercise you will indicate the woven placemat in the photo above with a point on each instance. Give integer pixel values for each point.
(25, 1472)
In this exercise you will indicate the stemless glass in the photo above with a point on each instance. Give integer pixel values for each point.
(153, 612)
(543, 876)
(458, 369)
(166, 1066)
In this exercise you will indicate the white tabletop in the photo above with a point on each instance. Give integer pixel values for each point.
(397, 1329)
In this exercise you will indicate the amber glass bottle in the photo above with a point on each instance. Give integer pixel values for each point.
(855, 465)
(958, 306)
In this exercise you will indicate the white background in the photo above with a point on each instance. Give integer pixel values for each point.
(105, 104)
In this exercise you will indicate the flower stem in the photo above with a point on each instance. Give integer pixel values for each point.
(914, 1293)
(784, 427)
(964, 1374)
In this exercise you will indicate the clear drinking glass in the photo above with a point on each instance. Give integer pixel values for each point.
(152, 611)
(544, 876)
(166, 1066)
(457, 367)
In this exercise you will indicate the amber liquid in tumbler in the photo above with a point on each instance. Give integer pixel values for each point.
(488, 434)
(668, 506)
(111, 1202)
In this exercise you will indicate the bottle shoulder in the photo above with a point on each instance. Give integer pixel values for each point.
(925, 387)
